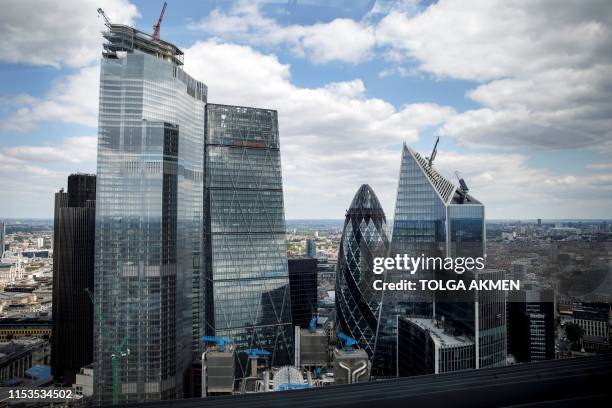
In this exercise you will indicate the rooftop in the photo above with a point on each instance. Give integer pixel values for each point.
(441, 337)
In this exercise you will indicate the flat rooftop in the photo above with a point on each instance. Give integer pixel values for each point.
(440, 337)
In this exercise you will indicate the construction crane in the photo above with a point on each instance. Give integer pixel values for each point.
(106, 20)
(348, 341)
(431, 158)
(118, 350)
(219, 341)
(157, 26)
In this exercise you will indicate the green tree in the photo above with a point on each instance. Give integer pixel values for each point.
(573, 332)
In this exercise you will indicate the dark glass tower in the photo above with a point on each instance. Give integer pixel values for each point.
(247, 296)
(73, 272)
(2, 237)
(434, 218)
(149, 217)
(303, 284)
(364, 238)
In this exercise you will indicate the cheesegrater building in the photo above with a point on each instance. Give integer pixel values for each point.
(434, 218)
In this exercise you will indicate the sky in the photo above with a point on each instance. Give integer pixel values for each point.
(520, 94)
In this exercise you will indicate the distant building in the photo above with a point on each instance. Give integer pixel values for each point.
(364, 238)
(304, 291)
(2, 237)
(425, 346)
(594, 320)
(17, 356)
(73, 272)
(531, 324)
(84, 382)
(311, 248)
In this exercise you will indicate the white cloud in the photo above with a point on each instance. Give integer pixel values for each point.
(72, 99)
(32, 174)
(333, 138)
(339, 40)
(489, 39)
(544, 66)
(72, 149)
(57, 32)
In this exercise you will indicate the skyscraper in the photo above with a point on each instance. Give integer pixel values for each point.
(2, 237)
(73, 272)
(303, 285)
(434, 218)
(247, 295)
(149, 216)
(531, 323)
(311, 248)
(364, 238)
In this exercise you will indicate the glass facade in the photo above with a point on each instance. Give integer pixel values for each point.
(364, 238)
(73, 271)
(247, 295)
(433, 218)
(149, 219)
(303, 273)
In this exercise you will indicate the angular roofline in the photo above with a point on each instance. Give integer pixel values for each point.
(443, 187)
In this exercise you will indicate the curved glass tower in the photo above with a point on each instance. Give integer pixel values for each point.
(149, 218)
(364, 237)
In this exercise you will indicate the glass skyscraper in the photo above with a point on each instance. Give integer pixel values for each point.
(364, 238)
(149, 216)
(73, 272)
(434, 218)
(247, 295)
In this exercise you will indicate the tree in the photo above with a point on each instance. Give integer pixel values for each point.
(573, 332)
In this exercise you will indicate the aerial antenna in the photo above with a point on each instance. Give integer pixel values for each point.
(434, 152)
(157, 26)
(106, 20)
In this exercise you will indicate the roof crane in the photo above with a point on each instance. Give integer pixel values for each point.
(348, 341)
(118, 350)
(157, 26)
(434, 152)
(219, 341)
(106, 20)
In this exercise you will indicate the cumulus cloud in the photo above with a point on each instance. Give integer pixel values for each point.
(339, 40)
(543, 67)
(72, 99)
(73, 149)
(57, 32)
(333, 137)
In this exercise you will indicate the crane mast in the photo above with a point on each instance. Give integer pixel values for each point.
(157, 26)
(118, 350)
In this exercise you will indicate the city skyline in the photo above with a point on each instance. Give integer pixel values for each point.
(536, 130)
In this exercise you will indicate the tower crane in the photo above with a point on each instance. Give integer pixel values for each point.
(157, 26)
(118, 350)
(106, 20)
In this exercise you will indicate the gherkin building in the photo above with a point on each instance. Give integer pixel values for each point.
(364, 238)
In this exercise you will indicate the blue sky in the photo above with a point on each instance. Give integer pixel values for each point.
(519, 93)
